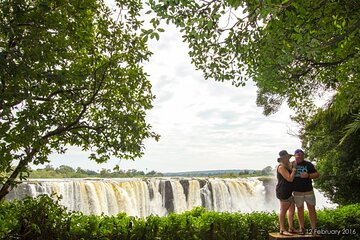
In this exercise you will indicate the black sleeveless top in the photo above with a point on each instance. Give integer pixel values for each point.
(284, 188)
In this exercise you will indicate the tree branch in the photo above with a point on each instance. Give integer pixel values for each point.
(328, 64)
(339, 38)
(51, 95)
(85, 105)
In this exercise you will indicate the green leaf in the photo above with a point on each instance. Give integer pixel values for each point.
(210, 24)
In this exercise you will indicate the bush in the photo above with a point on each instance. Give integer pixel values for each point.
(43, 218)
(8, 218)
(34, 218)
(346, 219)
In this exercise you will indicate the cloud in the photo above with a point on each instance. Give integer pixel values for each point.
(203, 124)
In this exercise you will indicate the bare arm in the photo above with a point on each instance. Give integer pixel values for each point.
(284, 172)
(314, 175)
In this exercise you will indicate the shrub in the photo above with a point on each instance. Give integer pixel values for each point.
(34, 218)
(43, 218)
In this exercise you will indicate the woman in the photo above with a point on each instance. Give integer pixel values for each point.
(285, 175)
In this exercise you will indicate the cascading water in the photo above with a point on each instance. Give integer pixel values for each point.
(157, 196)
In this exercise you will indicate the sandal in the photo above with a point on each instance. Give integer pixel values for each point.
(293, 231)
(285, 233)
(301, 231)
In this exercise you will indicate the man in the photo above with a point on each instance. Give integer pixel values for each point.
(303, 190)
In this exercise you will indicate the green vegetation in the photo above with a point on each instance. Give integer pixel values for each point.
(37, 218)
(70, 75)
(68, 172)
(292, 50)
(267, 171)
(338, 160)
(296, 52)
(245, 174)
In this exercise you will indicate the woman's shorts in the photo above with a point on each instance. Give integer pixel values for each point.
(290, 199)
(301, 197)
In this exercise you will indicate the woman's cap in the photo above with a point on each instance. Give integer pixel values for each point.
(282, 154)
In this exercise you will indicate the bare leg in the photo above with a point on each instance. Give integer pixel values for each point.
(301, 217)
(291, 212)
(284, 206)
(312, 215)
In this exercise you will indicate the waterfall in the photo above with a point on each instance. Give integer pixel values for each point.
(157, 196)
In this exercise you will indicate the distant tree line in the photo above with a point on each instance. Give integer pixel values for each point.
(267, 171)
(64, 171)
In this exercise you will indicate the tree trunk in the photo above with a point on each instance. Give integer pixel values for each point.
(10, 182)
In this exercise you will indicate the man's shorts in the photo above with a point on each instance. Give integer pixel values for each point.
(301, 197)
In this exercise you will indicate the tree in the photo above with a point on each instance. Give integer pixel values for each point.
(292, 50)
(339, 164)
(70, 74)
(105, 173)
(65, 170)
(151, 173)
(49, 167)
(267, 170)
(295, 52)
(81, 171)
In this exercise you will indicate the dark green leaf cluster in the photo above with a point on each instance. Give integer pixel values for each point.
(34, 219)
(70, 74)
(296, 52)
(211, 49)
(44, 218)
(345, 218)
(292, 50)
(337, 161)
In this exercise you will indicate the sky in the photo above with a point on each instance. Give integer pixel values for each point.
(203, 124)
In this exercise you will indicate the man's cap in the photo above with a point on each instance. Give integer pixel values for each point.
(298, 151)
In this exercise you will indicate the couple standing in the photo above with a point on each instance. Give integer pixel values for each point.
(294, 187)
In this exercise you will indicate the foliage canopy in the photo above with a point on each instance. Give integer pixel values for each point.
(294, 51)
(339, 164)
(70, 74)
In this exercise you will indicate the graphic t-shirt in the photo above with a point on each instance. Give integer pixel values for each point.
(303, 184)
